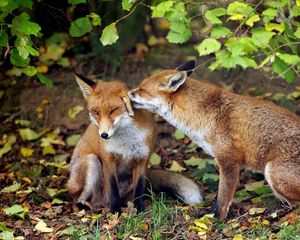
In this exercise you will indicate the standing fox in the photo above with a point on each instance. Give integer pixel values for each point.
(110, 160)
(235, 130)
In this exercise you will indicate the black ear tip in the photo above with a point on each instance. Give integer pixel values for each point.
(86, 80)
(188, 66)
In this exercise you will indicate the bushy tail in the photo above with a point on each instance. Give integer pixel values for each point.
(175, 185)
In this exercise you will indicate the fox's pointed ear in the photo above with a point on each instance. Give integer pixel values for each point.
(86, 85)
(174, 82)
(128, 106)
(188, 67)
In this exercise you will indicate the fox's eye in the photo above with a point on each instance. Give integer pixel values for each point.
(114, 109)
(95, 112)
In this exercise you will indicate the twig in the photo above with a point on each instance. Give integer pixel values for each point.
(127, 15)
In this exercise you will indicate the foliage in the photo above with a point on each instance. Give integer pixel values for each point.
(262, 36)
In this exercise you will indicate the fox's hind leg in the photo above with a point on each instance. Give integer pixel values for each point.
(284, 179)
(84, 184)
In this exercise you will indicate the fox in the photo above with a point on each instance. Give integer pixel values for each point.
(237, 131)
(109, 162)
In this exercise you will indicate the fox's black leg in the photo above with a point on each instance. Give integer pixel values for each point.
(139, 194)
(114, 196)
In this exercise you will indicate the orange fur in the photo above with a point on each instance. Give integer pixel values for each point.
(236, 130)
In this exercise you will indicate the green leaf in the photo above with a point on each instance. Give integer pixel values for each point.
(3, 3)
(282, 69)
(127, 4)
(73, 139)
(15, 210)
(8, 145)
(22, 122)
(17, 60)
(275, 26)
(155, 159)
(208, 46)
(7, 235)
(28, 134)
(251, 187)
(80, 26)
(220, 32)
(296, 11)
(289, 58)
(239, 8)
(3, 38)
(25, 3)
(43, 79)
(252, 20)
(109, 34)
(174, 37)
(49, 150)
(74, 2)
(212, 15)
(193, 161)
(95, 19)
(263, 190)
(178, 134)
(30, 71)
(261, 38)
(29, 28)
(32, 51)
(12, 188)
(297, 32)
(210, 179)
(269, 14)
(161, 9)
(178, 27)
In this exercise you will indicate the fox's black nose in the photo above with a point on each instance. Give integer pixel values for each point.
(104, 135)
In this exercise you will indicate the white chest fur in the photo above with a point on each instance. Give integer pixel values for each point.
(197, 135)
(129, 142)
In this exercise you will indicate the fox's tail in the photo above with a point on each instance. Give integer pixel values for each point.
(175, 185)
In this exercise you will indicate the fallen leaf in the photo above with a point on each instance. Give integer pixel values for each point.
(22, 122)
(28, 134)
(176, 167)
(238, 237)
(178, 134)
(26, 152)
(73, 139)
(155, 159)
(15, 210)
(41, 226)
(254, 211)
(12, 188)
(8, 145)
(251, 187)
(73, 112)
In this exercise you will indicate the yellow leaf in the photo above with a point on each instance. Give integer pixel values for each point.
(41, 226)
(252, 20)
(74, 111)
(266, 222)
(199, 223)
(236, 17)
(298, 2)
(238, 237)
(42, 68)
(26, 152)
(176, 167)
(254, 211)
(275, 26)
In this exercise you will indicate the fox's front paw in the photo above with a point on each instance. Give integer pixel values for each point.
(83, 205)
